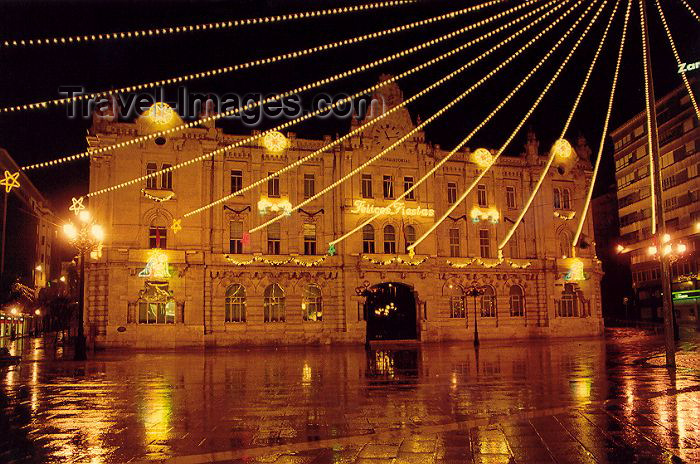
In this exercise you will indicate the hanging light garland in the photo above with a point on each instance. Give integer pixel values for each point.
(273, 262)
(677, 56)
(247, 65)
(339, 140)
(219, 25)
(648, 103)
(489, 264)
(574, 107)
(400, 140)
(318, 83)
(604, 135)
(541, 96)
(690, 9)
(395, 260)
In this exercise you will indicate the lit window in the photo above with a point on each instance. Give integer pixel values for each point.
(151, 182)
(156, 304)
(273, 186)
(510, 197)
(557, 198)
(273, 239)
(235, 303)
(309, 185)
(236, 237)
(388, 185)
(454, 243)
(312, 304)
(488, 302)
(236, 181)
(389, 239)
(166, 179)
(517, 303)
(451, 193)
(274, 304)
(484, 243)
(458, 307)
(367, 186)
(407, 184)
(309, 238)
(368, 239)
(481, 195)
(410, 233)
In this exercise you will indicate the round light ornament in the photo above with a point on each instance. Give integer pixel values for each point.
(160, 113)
(275, 142)
(562, 149)
(482, 157)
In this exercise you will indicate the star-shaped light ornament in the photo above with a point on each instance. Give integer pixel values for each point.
(77, 205)
(411, 253)
(176, 226)
(10, 181)
(331, 250)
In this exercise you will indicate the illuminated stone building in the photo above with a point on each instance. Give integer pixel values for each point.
(212, 284)
(679, 144)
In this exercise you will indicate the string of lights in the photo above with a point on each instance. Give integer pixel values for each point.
(219, 25)
(561, 142)
(648, 103)
(303, 88)
(678, 58)
(398, 142)
(391, 110)
(248, 64)
(689, 8)
(283, 126)
(464, 141)
(603, 136)
(541, 96)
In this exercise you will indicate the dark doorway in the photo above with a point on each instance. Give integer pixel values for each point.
(391, 312)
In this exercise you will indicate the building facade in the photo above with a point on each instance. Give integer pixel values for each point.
(679, 145)
(213, 284)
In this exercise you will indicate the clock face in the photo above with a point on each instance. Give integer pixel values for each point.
(386, 134)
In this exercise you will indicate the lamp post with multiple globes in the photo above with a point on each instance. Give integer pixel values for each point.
(86, 236)
(668, 253)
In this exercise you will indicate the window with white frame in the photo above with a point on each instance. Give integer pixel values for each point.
(368, 239)
(274, 304)
(482, 196)
(388, 186)
(235, 236)
(235, 303)
(309, 230)
(312, 304)
(510, 197)
(517, 301)
(309, 185)
(367, 186)
(484, 243)
(407, 184)
(455, 243)
(451, 192)
(273, 238)
(389, 239)
(410, 234)
(488, 302)
(151, 182)
(273, 186)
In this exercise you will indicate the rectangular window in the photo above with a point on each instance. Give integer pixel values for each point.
(407, 184)
(156, 313)
(236, 181)
(273, 239)
(157, 237)
(454, 243)
(510, 197)
(273, 186)
(236, 237)
(367, 186)
(388, 185)
(481, 195)
(309, 239)
(484, 243)
(309, 185)
(166, 179)
(367, 239)
(151, 182)
(514, 246)
(451, 192)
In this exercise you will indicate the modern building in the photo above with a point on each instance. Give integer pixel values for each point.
(679, 144)
(213, 284)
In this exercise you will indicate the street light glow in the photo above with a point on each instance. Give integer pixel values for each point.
(666, 238)
(620, 248)
(667, 249)
(70, 230)
(652, 250)
(37, 312)
(97, 232)
(84, 215)
(39, 268)
(680, 248)
(62, 279)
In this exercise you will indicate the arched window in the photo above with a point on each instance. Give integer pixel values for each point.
(517, 301)
(566, 199)
(410, 232)
(564, 243)
(488, 302)
(458, 306)
(274, 303)
(557, 198)
(235, 303)
(568, 306)
(389, 239)
(368, 239)
(312, 304)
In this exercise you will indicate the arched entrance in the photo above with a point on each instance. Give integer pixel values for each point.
(391, 312)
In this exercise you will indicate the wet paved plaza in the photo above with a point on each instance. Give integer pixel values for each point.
(568, 402)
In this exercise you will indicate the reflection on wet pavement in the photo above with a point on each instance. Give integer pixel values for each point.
(576, 401)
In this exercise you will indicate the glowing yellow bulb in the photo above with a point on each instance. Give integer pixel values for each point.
(275, 142)
(666, 238)
(681, 248)
(70, 230)
(482, 157)
(84, 215)
(62, 279)
(562, 149)
(97, 232)
(652, 250)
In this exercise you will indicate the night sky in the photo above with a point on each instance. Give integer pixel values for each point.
(34, 74)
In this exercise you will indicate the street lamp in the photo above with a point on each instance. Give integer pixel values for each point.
(85, 237)
(474, 292)
(667, 252)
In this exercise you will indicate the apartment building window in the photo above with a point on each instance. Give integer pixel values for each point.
(482, 197)
(454, 243)
(236, 237)
(273, 239)
(166, 179)
(484, 243)
(309, 239)
(236, 181)
(367, 186)
(368, 239)
(510, 197)
(407, 184)
(410, 233)
(309, 185)
(389, 239)
(388, 185)
(451, 193)
(566, 199)
(273, 186)
(557, 198)
(151, 182)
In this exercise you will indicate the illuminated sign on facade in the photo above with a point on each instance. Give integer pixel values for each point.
(157, 266)
(686, 295)
(399, 209)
